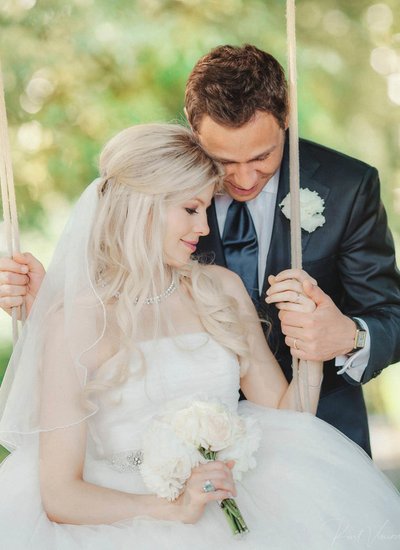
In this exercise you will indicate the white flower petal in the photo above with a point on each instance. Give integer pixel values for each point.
(170, 447)
(311, 209)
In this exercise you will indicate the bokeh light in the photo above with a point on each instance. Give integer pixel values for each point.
(379, 17)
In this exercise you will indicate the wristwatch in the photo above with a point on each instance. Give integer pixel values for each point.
(360, 337)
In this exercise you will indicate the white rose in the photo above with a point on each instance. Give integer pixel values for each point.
(216, 431)
(204, 423)
(311, 208)
(186, 425)
(167, 461)
(216, 425)
(242, 451)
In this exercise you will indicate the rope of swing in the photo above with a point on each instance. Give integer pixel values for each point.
(10, 216)
(299, 367)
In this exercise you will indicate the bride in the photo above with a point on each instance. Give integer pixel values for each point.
(127, 322)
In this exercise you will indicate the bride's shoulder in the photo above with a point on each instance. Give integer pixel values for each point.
(230, 281)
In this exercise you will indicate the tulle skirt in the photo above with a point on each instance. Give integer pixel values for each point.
(312, 489)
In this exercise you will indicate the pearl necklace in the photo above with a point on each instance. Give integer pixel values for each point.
(160, 297)
(150, 299)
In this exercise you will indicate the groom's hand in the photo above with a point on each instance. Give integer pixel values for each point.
(320, 335)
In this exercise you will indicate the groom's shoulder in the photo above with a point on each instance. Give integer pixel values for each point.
(333, 160)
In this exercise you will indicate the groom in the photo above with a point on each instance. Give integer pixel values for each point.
(236, 102)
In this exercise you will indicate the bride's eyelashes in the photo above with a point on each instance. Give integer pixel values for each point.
(191, 211)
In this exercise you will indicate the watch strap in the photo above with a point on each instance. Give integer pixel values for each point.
(360, 336)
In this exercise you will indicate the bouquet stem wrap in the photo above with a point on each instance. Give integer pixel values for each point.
(228, 505)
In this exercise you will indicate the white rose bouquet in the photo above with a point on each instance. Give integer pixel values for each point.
(189, 434)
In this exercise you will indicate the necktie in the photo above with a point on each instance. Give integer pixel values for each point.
(240, 244)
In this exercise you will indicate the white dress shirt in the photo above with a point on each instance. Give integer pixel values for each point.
(262, 210)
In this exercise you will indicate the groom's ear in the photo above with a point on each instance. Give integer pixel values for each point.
(287, 117)
(187, 118)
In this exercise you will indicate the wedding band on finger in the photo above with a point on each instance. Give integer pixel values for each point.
(297, 300)
(208, 486)
(295, 344)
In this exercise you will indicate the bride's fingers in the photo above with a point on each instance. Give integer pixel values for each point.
(294, 332)
(217, 495)
(214, 465)
(220, 484)
(218, 477)
(16, 265)
(9, 302)
(298, 289)
(289, 284)
(221, 490)
(7, 290)
(218, 473)
(289, 301)
(293, 343)
(293, 296)
(298, 274)
(213, 470)
(305, 307)
(11, 278)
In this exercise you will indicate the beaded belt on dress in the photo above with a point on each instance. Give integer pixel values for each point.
(127, 461)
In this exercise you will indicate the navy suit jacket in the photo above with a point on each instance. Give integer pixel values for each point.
(352, 258)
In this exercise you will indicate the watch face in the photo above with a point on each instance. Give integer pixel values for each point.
(361, 339)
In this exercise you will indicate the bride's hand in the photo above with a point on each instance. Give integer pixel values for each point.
(194, 499)
(20, 280)
(290, 291)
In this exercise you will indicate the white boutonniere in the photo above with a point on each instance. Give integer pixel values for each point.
(311, 208)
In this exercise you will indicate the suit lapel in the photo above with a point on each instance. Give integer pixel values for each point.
(278, 257)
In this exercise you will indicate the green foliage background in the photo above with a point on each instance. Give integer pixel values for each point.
(77, 72)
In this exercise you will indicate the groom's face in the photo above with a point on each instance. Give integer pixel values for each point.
(251, 154)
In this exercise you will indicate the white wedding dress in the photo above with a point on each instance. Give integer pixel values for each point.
(312, 488)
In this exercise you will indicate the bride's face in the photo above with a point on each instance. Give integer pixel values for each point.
(185, 224)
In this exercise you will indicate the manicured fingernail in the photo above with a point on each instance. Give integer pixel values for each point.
(24, 269)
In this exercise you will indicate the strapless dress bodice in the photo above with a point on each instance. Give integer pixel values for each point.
(174, 368)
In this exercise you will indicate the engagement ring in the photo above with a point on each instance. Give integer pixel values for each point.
(208, 486)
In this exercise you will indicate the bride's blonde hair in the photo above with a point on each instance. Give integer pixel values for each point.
(144, 169)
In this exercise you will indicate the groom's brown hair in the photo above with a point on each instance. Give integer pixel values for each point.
(231, 83)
